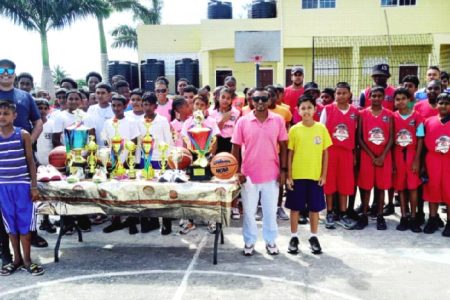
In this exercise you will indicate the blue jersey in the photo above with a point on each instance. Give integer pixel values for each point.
(27, 111)
(13, 163)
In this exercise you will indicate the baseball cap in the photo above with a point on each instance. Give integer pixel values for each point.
(311, 86)
(297, 70)
(381, 69)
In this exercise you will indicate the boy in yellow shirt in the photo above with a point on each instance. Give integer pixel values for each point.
(307, 171)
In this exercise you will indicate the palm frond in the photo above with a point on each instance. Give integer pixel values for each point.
(124, 36)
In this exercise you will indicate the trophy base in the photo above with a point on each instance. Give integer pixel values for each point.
(197, 173)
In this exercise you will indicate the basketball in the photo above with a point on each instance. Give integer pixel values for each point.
(181, 155)
(224, 165)
(57, 158)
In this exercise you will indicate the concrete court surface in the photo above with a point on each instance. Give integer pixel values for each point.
(366, 264)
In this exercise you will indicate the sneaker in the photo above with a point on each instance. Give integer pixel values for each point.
(188, 227)
(212, 227)
(359, 210)
(84, 223)
(235, 215)
(54, 174)
(373, 212)
(272, 249)
(403, 225)
(397, 201)
(249, 250)
(381, 223)
(329, 221)
(302, 220)
(281, 214)
(389, 209)
(440, 222)
(431, 226)
(114, 226)
(38, 241)
(420, 216)
(414, 225)
(47, 226)
(293, 245)
(351, 213)
(362, 222)
(166, 227)
(346, 222)
(446, 231)
(42, 174)
(259, 214)
(315, 245)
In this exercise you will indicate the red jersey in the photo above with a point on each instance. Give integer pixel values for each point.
(425, 109)
(437, 137)
(388, 101)
(291, 97)
(405, 130)
(342, 127)
(297, 118)
(375, 129)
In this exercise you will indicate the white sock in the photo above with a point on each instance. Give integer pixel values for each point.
(294, 234)
(313, 234)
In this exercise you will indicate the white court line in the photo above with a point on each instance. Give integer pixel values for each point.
(148, 272)
(182, 288)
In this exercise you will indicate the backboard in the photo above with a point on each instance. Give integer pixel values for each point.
(257, 46)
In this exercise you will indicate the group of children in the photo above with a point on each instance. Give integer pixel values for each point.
(332, 147)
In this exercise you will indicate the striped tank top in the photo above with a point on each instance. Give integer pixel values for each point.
(13, 164)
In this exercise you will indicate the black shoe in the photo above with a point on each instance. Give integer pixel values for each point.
(359, 210)
(397, 201)
(352, 214)
(68, 230)
(166, 228)
(403, 225)
(47, 226)
(414, 225)
(381, 223)
(131, 222)
(84, 223)
(293, 245)
(38, 241)
(420, 217)
(389, 209)
(362, 222)
(373, 212)
(114, 226)
(431, 226)
(315, 245)
(149, 224)
(446, 231)
(302, 220)
(440, 222)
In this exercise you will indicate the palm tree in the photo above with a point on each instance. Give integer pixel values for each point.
(58, 73)
(45, 15)
(126, 36)
(117, 5)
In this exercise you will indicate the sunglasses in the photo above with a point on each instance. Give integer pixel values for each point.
(161, 91)
(262, 98)
(10, 71)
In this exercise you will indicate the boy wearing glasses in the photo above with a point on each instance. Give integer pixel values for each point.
(261, 171)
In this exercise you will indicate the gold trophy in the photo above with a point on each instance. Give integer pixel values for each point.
(163, 147)
(117, 149)
(147, 149)
(75, 137)
(131, 159)
(91, 147)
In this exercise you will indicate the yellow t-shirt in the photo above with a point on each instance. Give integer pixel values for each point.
(283, 112)
(308, 144)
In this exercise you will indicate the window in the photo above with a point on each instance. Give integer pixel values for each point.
(398, 2)
(221, 75)
(309, 4)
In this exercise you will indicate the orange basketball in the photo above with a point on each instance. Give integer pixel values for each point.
(182, 155)
(224, 165)
(57, 158)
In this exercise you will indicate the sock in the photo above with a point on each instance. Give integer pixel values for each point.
(313, 234)
(294, 234)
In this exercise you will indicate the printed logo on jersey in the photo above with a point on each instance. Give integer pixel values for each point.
(353, 116)
(317, 140)
(412, 123)
(341, 132)
(442, 144)
(404, 138)
(376, 136)
(385, 119)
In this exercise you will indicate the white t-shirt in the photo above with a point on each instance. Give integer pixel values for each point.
(44, 143)
(127, 130)
(137, 118)
(96, 117)
(160, 132)
(65, 119)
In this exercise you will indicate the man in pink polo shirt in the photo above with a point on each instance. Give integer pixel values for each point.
(260, 133)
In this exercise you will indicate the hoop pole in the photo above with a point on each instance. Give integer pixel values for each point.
(257, 74)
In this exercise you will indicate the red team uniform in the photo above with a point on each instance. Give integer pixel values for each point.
(297, 118)
(291, 97)
(388, 101)
(375, 131)
(437, 161)
(425, 110)
(342, 129)
(405, 141)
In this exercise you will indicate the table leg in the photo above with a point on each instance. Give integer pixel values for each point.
(216, 241)
(80, 235)
(58, 241)
(221, 234)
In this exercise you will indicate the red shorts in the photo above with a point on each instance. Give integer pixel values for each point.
(437, 189)
(340, 175)
(404, 178)
(370, 175)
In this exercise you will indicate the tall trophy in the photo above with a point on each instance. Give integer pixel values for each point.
(147, 151)
(117, 148)
(201, 141)
(131, 159)
(76, 138)
(91, 147)
(101, 173)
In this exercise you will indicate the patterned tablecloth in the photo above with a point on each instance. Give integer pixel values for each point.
(206, 201)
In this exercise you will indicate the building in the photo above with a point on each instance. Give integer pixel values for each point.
(332, 39)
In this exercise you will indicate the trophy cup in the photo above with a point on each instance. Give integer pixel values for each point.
(162, 148)
(104, 156)
(91, 147)
(179, 159)
(131, 159)
(75, 137)
(201, 141)
(116, 151)
(147, 150)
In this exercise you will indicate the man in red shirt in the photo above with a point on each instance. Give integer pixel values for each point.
(296, 90)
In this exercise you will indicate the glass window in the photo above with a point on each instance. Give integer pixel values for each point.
(398, 2)
(309, 4)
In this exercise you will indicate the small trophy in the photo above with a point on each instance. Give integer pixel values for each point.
(147, 150)
(117, 149)
(104, 155)
(131, 159)
(163, 147)
(91, 147)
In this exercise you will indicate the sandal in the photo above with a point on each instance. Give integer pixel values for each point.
(38, 241)
(34, 269)
(8, 269)
(188, 227)
(212, 227)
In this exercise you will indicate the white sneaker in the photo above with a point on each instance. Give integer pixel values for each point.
(272, 249)
(259, 214)
(235, 214)
(281, 214)
(42, 174)
(249, 250)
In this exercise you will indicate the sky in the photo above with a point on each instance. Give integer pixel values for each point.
(76, 48)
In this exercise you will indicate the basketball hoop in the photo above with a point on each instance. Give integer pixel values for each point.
(257, 59)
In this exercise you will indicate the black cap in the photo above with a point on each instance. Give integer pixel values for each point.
(297, 70)
(311, 86)
(7, 62)
(381, 69)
